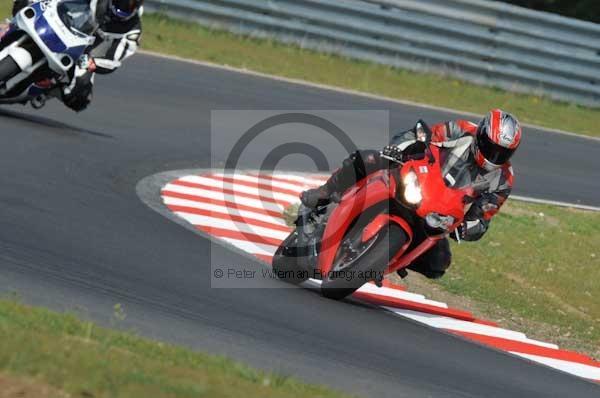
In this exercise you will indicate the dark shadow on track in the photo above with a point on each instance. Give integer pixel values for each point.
(53, 124)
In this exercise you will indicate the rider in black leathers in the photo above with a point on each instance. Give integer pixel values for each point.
(490, 146)
(117, 38)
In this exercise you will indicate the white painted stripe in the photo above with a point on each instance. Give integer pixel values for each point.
(368, 289)
(206, 221)
(264, 181)
(215, 183)
(387, 292)
(555, 203)
(256, 203)
(251, 247)
(301, 179)
(578, 369)
(442, 322)
(222, 209)
(312, 283)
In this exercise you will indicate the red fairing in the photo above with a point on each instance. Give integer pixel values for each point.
(437, 197)
(381, 221)
(370, 191)
(403, 259)
(374, 227)
(380, 187)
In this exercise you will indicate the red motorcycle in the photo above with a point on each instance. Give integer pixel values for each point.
(381, 224)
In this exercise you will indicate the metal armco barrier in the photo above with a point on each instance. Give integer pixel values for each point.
(484, 42)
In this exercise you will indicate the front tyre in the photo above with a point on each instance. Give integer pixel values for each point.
(365, 268)
(286, 261)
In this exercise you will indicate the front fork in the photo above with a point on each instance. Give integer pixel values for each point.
(14, 43)
(402, 259)
(307, 229)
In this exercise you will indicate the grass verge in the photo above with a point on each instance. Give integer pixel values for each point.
(189, 40)
(538, 265)
(535, 271)
(63, 356)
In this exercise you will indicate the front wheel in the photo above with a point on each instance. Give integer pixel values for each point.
(365, 266)
(286, 261)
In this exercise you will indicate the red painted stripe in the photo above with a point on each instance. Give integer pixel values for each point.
(318, 177)
(219, 202)
(280, 202)
(526, 348)
(413, 306)
(229, 216)
(250, 184)
(247, 236)
(394, 286)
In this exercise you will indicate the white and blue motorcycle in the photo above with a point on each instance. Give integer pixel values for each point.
(40, 48)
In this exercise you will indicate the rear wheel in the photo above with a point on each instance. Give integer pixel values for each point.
(8, 69)
(353, 270)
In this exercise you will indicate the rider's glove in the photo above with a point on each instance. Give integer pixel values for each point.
(83, 74)
(85, 62)
(414, 151)
(77, 95)
(392, 152)
(470, 230)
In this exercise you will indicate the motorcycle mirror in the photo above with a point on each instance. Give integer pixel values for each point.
(422, 131)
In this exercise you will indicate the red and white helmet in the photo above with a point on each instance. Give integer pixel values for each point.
(498, 137)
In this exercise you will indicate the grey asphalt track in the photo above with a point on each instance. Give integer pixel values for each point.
(75, 236)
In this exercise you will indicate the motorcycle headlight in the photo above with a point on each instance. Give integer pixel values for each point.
(412, 190)
(437, 221)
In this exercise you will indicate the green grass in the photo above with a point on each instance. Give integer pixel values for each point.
(84, 360)
(166, 35)
(539, 262)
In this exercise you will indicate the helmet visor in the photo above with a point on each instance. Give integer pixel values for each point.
(491, 151)
(124, 9)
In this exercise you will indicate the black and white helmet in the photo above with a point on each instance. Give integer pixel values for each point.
(124, 10)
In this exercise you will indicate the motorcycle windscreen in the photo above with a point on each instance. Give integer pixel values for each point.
(77, 16)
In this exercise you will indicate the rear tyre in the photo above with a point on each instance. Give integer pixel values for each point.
(8, 69)
(286, 261)
(370, 264)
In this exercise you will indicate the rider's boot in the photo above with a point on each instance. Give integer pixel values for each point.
(341, 179)
(313, 198)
